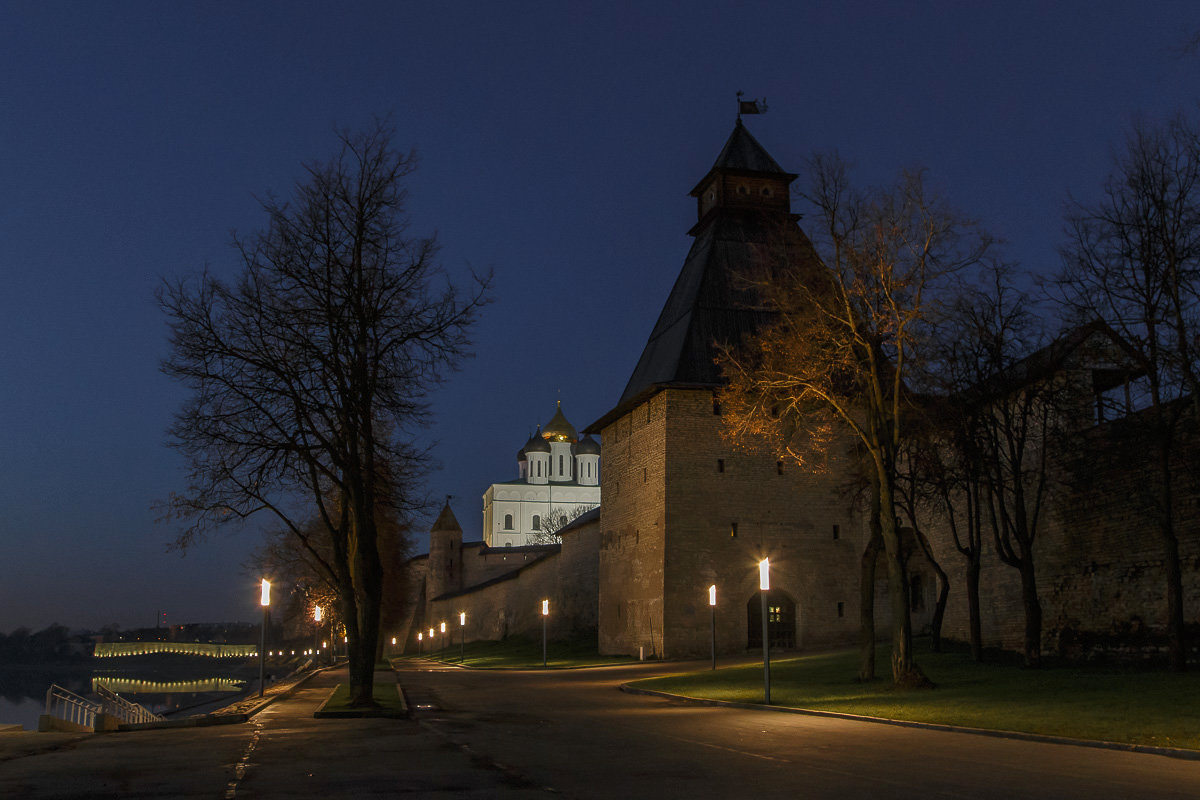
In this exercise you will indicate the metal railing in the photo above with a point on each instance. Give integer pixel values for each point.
(70, 707)
(128, 712)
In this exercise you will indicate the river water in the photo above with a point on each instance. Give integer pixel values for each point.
(164, 685)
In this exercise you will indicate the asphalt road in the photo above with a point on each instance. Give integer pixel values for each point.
(575, 733)
(567, 734)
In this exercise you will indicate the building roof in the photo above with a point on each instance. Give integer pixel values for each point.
(710, 302)
(558, 429)
(536, 444)
(587, 447)
(589, 516)
(446, 520)
(743, 154)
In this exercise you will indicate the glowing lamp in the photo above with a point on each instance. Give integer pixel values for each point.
(764, 575)
(712, 595)
(317, 612)
(266, 593)
(462, 618)
(393, 640)
(443, 627)
(545, 607)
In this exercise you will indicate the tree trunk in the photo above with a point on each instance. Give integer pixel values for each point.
(904, 672)
(976, 627)
(1033, 613)
(866, 619)
(939, 611)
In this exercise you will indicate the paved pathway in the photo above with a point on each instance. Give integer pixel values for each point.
(281, 753)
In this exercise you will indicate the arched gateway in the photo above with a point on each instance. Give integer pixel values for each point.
(781, 620)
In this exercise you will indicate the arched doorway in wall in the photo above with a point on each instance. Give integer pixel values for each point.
(781, 620)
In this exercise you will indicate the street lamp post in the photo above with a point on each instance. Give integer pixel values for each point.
(764, 585)
(420, 636)
(443, 640)
(318, 612)
(712, 605)
(462, 635)
(265, 602)
(545, 613)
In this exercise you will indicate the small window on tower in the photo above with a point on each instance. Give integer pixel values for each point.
(643, 475)
(508, 522)
(766, 191)
(743, 189)
(716, 405)
(837, 532)
(841, 609)
(733, 530)
(537, 522)
(778, 467)
(720, 465)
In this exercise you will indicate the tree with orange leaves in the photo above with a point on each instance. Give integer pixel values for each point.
(847, 330)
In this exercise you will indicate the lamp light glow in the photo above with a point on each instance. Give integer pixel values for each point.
(545, 607)
(266, 593)
(462, 618)
(317, 612)
(443, 626)
(712, 595)
(420, 637)
(764, 575)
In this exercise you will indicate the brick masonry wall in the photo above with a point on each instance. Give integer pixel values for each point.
(632, 518)
(567, 577)
(780, 512)
(1098, 558)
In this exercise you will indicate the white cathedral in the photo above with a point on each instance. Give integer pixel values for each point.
(558, 478)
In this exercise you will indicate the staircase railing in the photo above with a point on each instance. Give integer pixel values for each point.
(66, 705)
(125, 710)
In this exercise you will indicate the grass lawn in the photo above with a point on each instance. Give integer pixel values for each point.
(1118, 704)
(519, 652)
(384, 692)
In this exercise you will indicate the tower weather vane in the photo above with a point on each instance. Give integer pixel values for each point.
(755, 106)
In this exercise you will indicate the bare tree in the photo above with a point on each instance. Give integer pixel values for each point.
(847, 330)
(1133, 260)
(308, 375)
(558, 518)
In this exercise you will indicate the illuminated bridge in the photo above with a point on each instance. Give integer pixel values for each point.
(118, 649)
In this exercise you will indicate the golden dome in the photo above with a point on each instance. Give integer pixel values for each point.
(558, 429)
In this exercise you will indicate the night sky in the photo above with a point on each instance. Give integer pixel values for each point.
(557, 144)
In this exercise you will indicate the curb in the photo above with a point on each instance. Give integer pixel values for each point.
(365, 713)
(209, 720)
(1169, 752)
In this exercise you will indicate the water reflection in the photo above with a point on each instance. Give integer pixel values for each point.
(185, 690)
(124, 686)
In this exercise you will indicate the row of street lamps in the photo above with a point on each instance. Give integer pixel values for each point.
(764, 585)
(462, 639)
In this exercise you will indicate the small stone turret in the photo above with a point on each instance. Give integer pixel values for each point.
(445, 555)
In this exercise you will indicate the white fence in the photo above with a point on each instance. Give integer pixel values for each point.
(70, 707)
(66, 705)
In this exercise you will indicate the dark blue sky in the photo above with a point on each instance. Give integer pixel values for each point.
(557, 144)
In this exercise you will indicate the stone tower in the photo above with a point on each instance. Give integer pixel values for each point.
(444, 573)
(682, 510)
